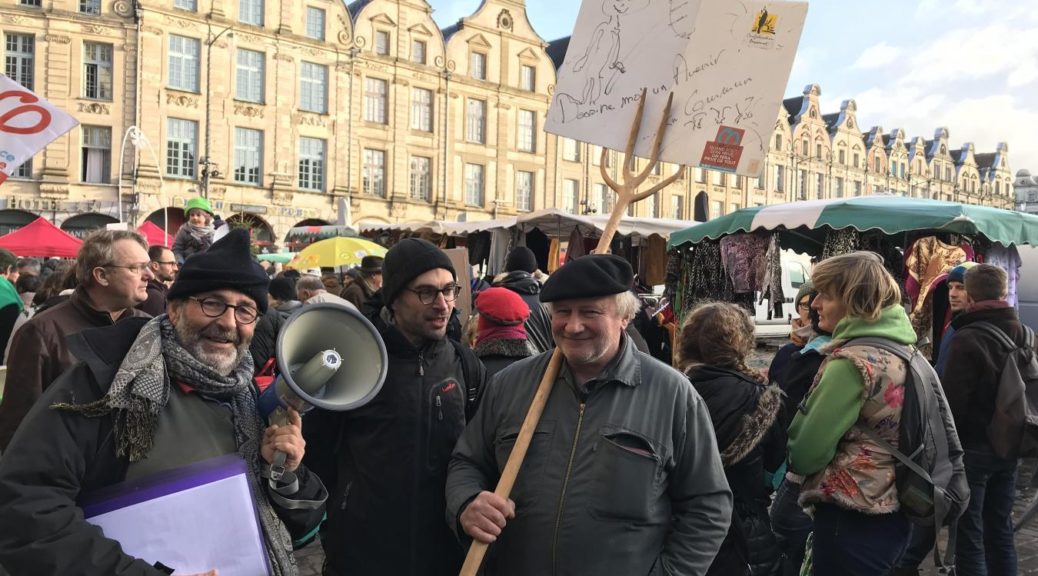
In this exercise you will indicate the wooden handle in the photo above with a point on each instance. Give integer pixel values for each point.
(478, 549)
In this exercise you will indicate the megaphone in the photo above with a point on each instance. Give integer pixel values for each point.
(329, 356)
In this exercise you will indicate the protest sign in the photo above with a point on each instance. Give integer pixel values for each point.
(27, 124)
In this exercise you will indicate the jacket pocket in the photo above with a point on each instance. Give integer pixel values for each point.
(626, 470)
(525, 489)
(445, 418)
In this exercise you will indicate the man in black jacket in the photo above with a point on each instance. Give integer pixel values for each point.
(520, 266)
(387, 512)
(972, 372)
(149, 398)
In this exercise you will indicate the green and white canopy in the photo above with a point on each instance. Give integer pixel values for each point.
(808, 221)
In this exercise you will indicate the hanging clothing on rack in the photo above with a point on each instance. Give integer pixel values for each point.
(840, 242)
(653, 269)
(771, 282)
(893, 260)
(1007, 259)
(500, 245)
(553, 255)
(704, 277)
(925, 259)
(575, 248)
(743, 257)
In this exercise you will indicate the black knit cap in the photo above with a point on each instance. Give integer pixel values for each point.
(589, 277)
(521, 258)
(407, 260)
(226, 265)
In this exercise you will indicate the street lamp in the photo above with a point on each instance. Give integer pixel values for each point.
(208, 171)
(136, 137)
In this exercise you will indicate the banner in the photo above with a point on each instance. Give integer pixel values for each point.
(27, 124)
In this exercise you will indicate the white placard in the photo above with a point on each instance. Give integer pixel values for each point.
(726, 61)
(27, 124)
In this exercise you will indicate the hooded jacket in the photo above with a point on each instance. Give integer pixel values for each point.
(538, 325)
(265, 337)
(386, 515)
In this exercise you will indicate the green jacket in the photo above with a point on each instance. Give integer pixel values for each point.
(834, 403)
(626, 480)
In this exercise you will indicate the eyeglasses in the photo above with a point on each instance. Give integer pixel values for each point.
(427, 294)
(214, 308)
(164, 263)
(804, 306)
(134, 268)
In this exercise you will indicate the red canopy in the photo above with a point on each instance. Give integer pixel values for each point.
(154, 234)
(41, 238)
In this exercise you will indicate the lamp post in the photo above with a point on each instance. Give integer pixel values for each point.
(136, 137)
(208, 171)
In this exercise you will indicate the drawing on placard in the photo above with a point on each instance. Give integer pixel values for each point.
(682, 17)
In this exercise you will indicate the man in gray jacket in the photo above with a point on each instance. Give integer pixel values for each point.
(623, 474)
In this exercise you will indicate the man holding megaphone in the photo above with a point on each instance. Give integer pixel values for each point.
(151, 399)
(387, 512)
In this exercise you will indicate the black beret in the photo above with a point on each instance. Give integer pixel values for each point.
(589, 277)
(226, 265)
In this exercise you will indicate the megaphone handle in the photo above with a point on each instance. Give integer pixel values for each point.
(277, 467)
(477, 550)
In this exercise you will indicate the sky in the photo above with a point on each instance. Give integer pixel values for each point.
(970, 66)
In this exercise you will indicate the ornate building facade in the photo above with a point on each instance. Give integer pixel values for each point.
(287, 112)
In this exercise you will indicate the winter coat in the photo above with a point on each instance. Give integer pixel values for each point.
(624, 480)
(973, 370)
(386, 514)
(358, 292)
(58, 458)
(40, 353)
(156, 302)
(498, 354)
(185, 245)
(265, 336)
(538, 325)
(857, 386)
(752, 440)
(800, 373)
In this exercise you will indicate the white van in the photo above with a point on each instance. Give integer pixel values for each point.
(1027, 286)
(795, 271)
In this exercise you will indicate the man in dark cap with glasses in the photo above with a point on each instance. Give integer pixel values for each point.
(147, 399)
(387, 510)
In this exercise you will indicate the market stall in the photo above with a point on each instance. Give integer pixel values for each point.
(737, 257)
(40, 238)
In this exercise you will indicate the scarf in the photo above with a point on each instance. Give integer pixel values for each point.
(140, 391)
(492, 332)
(202, 234)
(985, 305)
(9, 295)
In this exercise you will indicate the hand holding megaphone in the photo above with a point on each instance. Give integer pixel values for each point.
(312, 373)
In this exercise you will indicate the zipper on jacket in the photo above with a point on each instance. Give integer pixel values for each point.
(565, 485)
(439, 408)
(421, 364)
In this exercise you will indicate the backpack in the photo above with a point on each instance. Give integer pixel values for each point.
(1013, 431)
(473, 371)
(930, 476)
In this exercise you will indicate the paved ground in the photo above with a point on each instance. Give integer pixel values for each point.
(311, 558)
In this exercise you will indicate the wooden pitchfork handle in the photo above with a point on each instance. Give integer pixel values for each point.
(627, 193)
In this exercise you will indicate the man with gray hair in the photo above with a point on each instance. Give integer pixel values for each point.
(112, 277)
(311, 290)
(623, 474)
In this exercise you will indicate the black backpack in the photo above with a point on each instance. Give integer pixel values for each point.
(1013, 431)
(930, 477)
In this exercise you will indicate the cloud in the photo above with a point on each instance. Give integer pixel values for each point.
(877, 56)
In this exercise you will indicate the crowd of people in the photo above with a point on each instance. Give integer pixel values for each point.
(137, 361)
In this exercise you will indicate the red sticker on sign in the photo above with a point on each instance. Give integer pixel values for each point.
(726, 149)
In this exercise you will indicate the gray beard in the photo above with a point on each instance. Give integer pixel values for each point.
(221, 363)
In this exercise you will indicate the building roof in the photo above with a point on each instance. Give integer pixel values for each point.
(793, 106)
(354, 8)
(831, 120)
(984, 161)
(557, 51)
(450, 31)
(956, 155)
(871, 136)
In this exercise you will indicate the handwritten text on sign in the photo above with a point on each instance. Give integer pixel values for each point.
(27, 124)
(726, 61)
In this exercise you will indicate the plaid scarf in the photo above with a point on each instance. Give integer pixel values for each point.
(140, 391)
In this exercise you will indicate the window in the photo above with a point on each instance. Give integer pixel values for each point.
(524, 190)
(716, 209)
(528, 78)
(474, 184)
(421, 109)
(314, 23)
(191, 5)
(948, 173)
(382, 43)
(181, 143)
(570, 195)
(35, 3)
(657, 169)
(92, 7)
(418, 51)
(877, 165)
(249, 80)
(97, 154)
(570, 150)
(596, 154)
(803, 148)
(842, 156)
(700, 175)
(250, 12)
(526, 140)
(717, 178)
(818, 151)
(478, 65)
(857, 188)
(605, 199)
(311, 164)
(733, 207)
(778, 142)
(758, 183)
(24, 170)
(183, 63)
(735, 181)
(97, 71)
(839, 187)
(374, 172)
(803, 185)
(248, 155)
(780, 178)
(375, 100)
(857, 160)
(902, 169)
(313, 87)
(476, 121)
(652, 206)
(819, 186)
(421, 178)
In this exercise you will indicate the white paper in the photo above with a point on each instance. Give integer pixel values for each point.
(27, 124)
(193, 531)
(727, 62)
